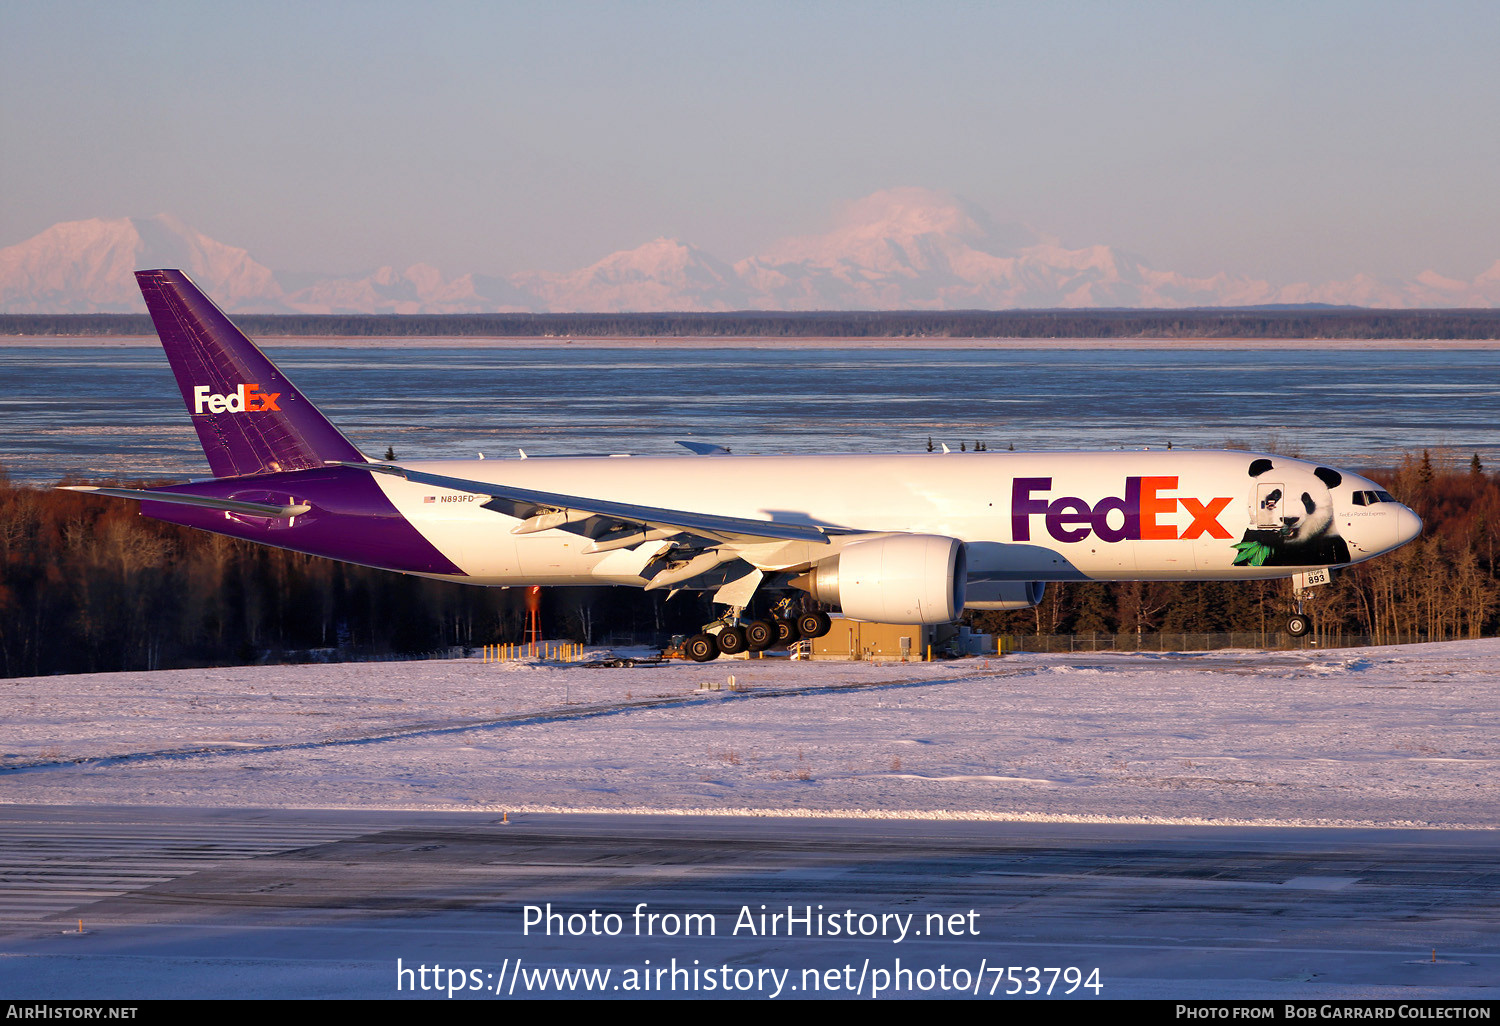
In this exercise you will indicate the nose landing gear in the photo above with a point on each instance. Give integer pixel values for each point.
(1300, 623)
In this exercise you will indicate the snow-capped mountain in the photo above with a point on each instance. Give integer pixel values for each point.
(661, 275)
(86, 267)
(903, 249)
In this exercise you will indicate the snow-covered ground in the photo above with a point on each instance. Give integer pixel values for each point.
(1406, 736)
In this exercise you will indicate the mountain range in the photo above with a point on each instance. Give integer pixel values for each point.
(899, 249)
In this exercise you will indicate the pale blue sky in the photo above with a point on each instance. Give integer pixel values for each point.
(1291, 141)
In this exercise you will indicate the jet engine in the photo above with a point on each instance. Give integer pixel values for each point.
(902, 578)
(1004, 594)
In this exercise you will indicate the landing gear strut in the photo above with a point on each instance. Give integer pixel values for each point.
(1300, 624)
(793, 626)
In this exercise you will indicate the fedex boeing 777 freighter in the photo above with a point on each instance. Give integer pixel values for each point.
(903, 538)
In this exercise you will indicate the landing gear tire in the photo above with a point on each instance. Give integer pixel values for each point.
(701, 648)
(732, 640)
(814, 625)
(1298, 625)
(759, 635)
(786, 630)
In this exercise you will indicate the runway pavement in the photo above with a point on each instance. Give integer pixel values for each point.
(297, 903)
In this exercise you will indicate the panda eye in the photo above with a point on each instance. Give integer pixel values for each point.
(1307, 502)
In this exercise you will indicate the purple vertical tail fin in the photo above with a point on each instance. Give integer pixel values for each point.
(250, 418)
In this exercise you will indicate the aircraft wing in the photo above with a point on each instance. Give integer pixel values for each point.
(704, 448)
(542, 511)
(254, 509)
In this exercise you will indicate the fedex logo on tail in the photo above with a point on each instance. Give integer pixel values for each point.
(1071, 519)
(245, 399)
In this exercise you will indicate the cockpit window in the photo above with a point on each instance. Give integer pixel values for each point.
(1384, 497)
(1359, 498)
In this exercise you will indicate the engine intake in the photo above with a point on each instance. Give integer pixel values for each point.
(903, 578)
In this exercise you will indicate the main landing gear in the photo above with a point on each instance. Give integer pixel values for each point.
(700, 648)
(814, 625)
(737, 635)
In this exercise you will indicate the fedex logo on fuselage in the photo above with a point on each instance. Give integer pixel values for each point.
(245, 399)
(1071, 519)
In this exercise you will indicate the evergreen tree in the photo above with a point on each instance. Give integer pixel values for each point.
(1094, 610)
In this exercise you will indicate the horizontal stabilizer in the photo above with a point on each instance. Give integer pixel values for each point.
(254, 509)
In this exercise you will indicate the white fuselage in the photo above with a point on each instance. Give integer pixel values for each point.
(1036, 516)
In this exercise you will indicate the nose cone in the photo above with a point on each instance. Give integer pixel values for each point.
(1407, 525)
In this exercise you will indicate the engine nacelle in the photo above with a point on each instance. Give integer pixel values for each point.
(903, 578)
(1004, 594)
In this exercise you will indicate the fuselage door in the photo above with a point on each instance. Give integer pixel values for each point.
(1269, 499)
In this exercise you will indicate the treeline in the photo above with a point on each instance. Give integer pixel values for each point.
(1440, 587)
(1252, 323)
(86, 584)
